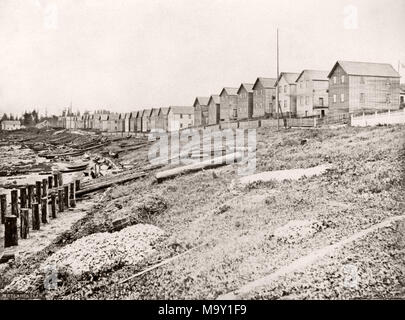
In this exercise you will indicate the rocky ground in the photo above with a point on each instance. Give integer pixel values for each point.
(250, 231)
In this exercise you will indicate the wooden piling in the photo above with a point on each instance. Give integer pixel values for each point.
(38, 190)
(66, 196)
(72, 195)
(23, 197)
(24, 223)
(10, 232)
(60, 179)
(36, 223)
(60, 200)
(14, 203)
(77, 184)
(53, 205)
(3, 207)
(44, 210)
(44, 188)
(55, 180)
(50, 182)
(30, 196)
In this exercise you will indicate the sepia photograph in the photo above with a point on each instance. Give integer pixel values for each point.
(211, 151)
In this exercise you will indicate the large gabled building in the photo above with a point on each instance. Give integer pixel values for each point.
(200, 111)
(363, 87)
(245, 101)
(312, 93)
(213, 109)
(264, 97)
(287, 95)
(228, 104)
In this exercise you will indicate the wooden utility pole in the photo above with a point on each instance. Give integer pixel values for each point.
(278, 120)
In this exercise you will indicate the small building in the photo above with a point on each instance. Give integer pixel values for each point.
(113, 122)
(132, 121)
(146, 120)
(213, 109)
(312, 93)
(245, 101)
(200, 111)
(126, 121)
(154, 119)
(105, 122)
(179, 118)
(91, 121)
(228, 104)
(287, 96)
(138, 120)
(163, 118)
(264, 97)
(121, 122)
(10, 125)
(402, 96)
(363, 87)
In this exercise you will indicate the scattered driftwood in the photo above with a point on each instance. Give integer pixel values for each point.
(162, 263)
(207, 164)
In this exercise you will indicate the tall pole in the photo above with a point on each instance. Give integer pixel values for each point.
(277, 87)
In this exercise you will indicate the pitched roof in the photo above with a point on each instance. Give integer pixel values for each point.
(215, 98)
(366, 69)
(113, 116)
(314, 74)
(289, 77)
(203, 101)
(146, 113)
(164, 111)
(248, 87)
(104, 116)
(155, 111)
(229, 91)
(182, 109)
(266, 82)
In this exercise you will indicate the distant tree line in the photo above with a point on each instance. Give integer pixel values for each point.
(28, 119)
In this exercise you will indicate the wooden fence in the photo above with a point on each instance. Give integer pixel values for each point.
(390, 117)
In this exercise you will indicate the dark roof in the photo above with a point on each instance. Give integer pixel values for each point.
(203, 101)
(229, 91)
(182, 109)
(248, 87)
(266, 82)
(366, 69)
(315, 75)
(290, 77)
(215, 98)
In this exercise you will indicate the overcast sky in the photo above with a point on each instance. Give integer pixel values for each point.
(127, 55)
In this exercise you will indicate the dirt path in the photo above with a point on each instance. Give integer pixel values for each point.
(305, 261)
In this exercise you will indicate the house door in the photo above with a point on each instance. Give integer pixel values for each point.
(322, 113)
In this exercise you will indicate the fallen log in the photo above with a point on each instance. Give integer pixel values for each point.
(109, 183)
(207, 164)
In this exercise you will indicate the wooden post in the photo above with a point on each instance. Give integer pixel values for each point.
(10, 232)
(50, 182)
(53, 205)
(14, 203)
(60, 200)
(30, 197)
(23, 197)
(77, 185)
(60, 179)
(38, 194)
(66, 196)
(44, 210)
(44, 188)
(55, 180)
(36, 223)
(24, 223)
(72, 194)
(3, 207)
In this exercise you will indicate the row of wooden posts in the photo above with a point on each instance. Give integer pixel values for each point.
(34, 200)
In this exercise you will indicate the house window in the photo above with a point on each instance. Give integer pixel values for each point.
(342, 97)
(306, 100)
(321, 102)
(189, 116)
(181, 125)
(388, 98)
(334, 80)
(334, 98)
(343, 79)
(361, 97)
(285, 89)
(388, 82)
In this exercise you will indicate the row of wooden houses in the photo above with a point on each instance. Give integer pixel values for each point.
(349, 87)
(171, 118)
